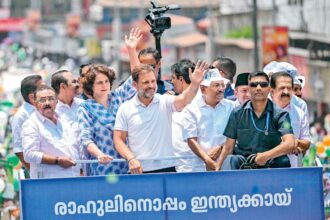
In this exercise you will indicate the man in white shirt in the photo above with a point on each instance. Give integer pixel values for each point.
(146, 120)
(281, 93)
(205, 120)
(274, 67)
(47, 142)
(67, 89)
(28, 87)
(181, 81)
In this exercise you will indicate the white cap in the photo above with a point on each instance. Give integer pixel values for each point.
(299, 80)
(274, 67)
(213, 75)
(289, 68)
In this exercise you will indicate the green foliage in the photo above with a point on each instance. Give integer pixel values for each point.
(244, 32)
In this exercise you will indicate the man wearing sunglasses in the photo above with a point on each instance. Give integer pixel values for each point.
(258, 127)
(47, 141)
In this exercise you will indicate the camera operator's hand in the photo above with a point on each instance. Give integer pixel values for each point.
(133, 39)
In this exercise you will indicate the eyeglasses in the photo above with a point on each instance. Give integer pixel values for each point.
(74, 81)
(45, 99)
(153, 65)
(262, 84)
(217, 86)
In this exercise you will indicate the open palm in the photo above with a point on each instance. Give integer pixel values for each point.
(198, 75)
(134, 37)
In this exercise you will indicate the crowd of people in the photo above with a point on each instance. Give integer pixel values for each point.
(203, 121)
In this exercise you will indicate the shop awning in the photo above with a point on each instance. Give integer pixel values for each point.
(11, 24)
(187, 40)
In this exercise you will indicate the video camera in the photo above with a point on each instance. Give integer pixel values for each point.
(155, 18)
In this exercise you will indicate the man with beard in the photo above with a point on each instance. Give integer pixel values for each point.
(258, 128)
(282, 85)
(146, 121)
(47, 142)
(204, 121)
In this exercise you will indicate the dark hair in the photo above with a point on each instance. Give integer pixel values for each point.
(81, 68)
(155, 53)
(92, 72)
(42, 88)
(57, 79)
(258, 73)
(143, 68)
(227, 65)
(29, 85)
(182, 69)
(275, 76)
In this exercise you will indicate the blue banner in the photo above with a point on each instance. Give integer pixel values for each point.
(251, 194)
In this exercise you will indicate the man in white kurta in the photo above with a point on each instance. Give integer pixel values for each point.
(205, 120)
(47, 142)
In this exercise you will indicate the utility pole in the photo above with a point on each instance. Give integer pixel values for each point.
(209, 46)
(255, 35)
(116, 36)
(274, 12)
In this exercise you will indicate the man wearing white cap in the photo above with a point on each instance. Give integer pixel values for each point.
(205, 120)
(274, 67)
(298, 85)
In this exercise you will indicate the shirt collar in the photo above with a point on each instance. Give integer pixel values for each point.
(287, 108)
(137, 101)
(28, 107)
(75, 102)
(201, 102)
(43, 118)
(269, 106)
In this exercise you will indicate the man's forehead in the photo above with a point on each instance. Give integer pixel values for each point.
(45, 93)
(242, 87)
(68, 75)
(148, 59)
(258, 78)
(145, 76)
(217, 82)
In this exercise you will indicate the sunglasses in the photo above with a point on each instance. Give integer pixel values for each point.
(262, 84)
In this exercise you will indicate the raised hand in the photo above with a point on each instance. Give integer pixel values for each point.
(134, 37)
(198, 75)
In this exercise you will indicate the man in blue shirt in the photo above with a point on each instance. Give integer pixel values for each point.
(227, 69)
(258, 127)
